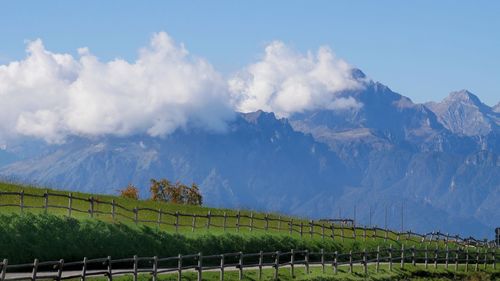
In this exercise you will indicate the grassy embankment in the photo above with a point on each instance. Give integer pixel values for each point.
(52, 236)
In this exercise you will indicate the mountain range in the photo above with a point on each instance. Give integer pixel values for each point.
(431, 166)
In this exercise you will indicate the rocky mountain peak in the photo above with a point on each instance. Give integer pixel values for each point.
(496, 108)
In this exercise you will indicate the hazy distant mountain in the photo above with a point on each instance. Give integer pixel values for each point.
(441, 160)
(496, 108)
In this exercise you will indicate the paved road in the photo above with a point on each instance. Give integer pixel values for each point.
(118, 272)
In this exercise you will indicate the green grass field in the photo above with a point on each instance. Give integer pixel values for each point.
(103, 211)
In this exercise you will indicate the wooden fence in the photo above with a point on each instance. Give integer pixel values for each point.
(235, 222)
(469, 259)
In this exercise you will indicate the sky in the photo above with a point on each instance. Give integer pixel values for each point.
(423, 49)
(91, 67)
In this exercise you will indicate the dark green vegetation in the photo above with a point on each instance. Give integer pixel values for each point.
(50, 237)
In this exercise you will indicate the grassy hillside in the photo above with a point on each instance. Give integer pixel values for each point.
(102, 211)
(45, 229)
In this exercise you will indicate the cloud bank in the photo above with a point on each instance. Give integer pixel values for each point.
(287, 82)
(51, 96)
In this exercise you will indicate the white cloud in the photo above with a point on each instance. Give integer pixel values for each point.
(50, 95)
(286, 82)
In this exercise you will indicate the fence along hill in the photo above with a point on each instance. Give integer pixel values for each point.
(194, 219)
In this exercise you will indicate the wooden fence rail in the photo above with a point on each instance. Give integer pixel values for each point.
(198, 263)
(206, 221)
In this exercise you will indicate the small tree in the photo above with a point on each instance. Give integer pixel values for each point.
(194, 196)
(130, 192)
(178, 193)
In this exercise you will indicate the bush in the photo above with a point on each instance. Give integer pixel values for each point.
(130, 191)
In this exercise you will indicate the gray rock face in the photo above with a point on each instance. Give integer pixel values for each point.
(463, 113)
(440, 160)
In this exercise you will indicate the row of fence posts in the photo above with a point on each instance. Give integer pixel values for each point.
(276, 264)
(238, 216)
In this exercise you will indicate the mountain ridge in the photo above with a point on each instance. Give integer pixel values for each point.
(388, 152)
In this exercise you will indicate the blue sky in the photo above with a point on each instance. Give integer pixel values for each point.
(423, 50)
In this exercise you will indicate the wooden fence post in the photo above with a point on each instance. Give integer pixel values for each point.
(135, 267)
(323, 231)
(110, 269)
(377, 266)
(350, 261)
(21, 201)
(447, 256)
(390, 257)
(4, 269)
(322, 260)
(155, 268)
(292, 263)
(200, 266)
(113, 210)
(35, 269)
(477, 259)
(365, 262)
(60, 269)
(307, 261)
(84, 269)
(46, 201)
(279, 223)
(426, 262)
(221, 267)
(261, 262)
(301, 229)
(335, 262)
(209, 219)
(251, 221)
(158, 219)
(136, 215)
(177, 221)
(311, 228)
(238, 218)
(91, 201)
(240, 266)
(193, 224)
(436, 257)
(266, 218)
(179, 267)
(467, 259)
(413, 261)
(224, 222)
(290, 226)
(276, 265)
(402, 255)
(70, 204)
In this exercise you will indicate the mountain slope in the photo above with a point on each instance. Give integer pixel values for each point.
(463, 113)
(441, 160)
